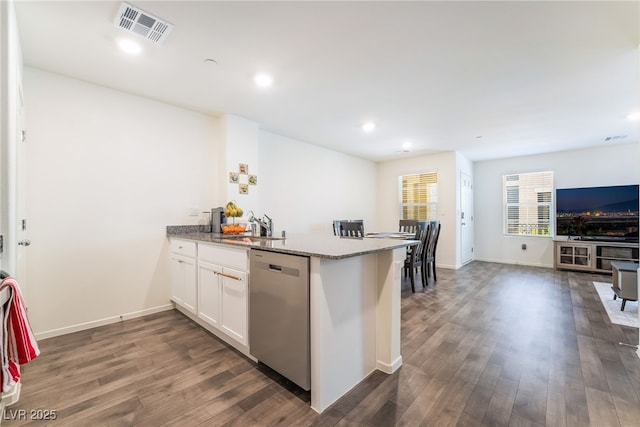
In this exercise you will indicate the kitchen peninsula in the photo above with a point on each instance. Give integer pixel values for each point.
(354, 298)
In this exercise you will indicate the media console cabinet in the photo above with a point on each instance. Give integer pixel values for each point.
(592, 255)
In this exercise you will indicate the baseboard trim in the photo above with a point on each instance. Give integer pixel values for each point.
(101, 322)
(502, 261)
(447, 266)
(389, 368)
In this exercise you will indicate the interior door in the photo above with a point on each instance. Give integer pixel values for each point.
(12, 165)
(466, 218)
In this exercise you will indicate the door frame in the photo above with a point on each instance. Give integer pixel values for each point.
(466, 218)
(11, 184)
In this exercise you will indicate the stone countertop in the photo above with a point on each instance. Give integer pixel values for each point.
(314, 245)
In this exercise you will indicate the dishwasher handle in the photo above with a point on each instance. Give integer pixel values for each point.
(275, 268)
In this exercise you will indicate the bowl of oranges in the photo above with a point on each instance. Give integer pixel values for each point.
(233, 228)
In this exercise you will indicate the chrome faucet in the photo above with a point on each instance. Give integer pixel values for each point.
(266, 224)
(268, 227)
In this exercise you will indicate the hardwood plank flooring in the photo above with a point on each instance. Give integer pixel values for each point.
(487, 345)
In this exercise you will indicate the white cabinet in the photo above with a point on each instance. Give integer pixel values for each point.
(235, 304)
(209, 293)
(184, 286)
(210, 281)
(226, 256)
(223, 290)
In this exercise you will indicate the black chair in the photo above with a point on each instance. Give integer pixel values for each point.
(415, 257)
(430, 253)
(408, 226)
(336, 226)
(352, 228)
(422, 224)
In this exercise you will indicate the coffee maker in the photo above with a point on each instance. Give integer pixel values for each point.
(216, 219)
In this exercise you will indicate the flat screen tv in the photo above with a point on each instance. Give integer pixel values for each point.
(598, 213)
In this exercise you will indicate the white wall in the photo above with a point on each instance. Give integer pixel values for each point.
(448, 198)
(108, 172)
(305, 187)
(609, 165)
(10, 81)
(240, 138)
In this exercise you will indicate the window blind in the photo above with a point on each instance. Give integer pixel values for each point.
(527, 202)
(419, 196)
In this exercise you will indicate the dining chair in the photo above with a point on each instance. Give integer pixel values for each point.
(408, 226)
(352, 228)
(415, 257)
(423, 224)
(430, 253)
(336, 226)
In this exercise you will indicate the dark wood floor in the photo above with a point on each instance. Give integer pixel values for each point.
(488, 345)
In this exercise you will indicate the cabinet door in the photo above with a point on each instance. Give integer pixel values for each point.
(574, 256)
(582, 256)
(226, 256)
(183, 282)
(564, 254)
(234, 304)
(209, 293)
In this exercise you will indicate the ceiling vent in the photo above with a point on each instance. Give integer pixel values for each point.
(614, 138)
(139, 22)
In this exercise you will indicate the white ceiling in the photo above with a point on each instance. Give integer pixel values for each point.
(489, 79)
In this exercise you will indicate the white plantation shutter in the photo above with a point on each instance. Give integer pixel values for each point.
(527, 202)
(419, 196)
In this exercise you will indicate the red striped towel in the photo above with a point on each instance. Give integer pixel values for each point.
(19, 345)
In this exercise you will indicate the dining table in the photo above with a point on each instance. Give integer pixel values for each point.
(402, 235)
(410, 251)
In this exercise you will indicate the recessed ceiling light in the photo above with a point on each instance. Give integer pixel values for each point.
(263, 80)
(368, 127)
(129, 46)
(634, 116)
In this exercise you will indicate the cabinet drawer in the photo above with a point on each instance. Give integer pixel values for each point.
(183, 247)
(225, 256)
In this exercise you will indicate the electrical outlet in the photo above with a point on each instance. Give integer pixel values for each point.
(193, 212)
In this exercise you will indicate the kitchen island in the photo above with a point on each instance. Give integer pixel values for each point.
(354, 304)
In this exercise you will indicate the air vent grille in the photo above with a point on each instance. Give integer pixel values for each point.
(614, 138)
(143, 24)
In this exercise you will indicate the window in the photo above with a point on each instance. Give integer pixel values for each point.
(527, 204)
(419, 196)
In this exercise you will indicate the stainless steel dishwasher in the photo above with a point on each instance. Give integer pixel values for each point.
(279, 314)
